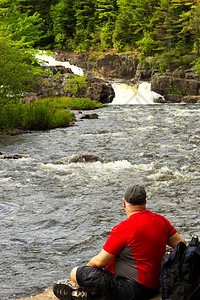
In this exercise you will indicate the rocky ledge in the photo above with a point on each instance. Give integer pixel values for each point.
(179, 86)
(48, 295)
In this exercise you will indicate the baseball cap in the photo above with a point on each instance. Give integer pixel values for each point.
(135, 194)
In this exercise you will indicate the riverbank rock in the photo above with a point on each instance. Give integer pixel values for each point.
(55, 85)
(83, 158)
(90, 116)
(48, 295)
(108, 65)
(178, 86)
(13, 156)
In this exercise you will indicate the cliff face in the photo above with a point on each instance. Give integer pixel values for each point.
(178, 86)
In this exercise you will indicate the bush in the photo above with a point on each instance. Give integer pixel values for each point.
(42, 114)
(79, 103)
(11, 114)
(46, 114)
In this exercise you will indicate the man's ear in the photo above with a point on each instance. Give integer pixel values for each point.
(124, 203)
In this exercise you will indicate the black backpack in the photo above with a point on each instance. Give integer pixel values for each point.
(180, 272)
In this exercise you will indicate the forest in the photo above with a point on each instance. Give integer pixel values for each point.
(166, 29)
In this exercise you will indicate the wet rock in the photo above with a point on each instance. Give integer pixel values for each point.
(60, 69)
(13, 156)
(85, 158)
(48, 295)
(15, 131)
(190, 99)
(173, 98)
(90, 116)
(100, 91)
(170, 83)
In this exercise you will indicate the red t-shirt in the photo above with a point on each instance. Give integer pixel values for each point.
(139, 243)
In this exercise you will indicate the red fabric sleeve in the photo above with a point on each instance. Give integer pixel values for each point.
(116, 240)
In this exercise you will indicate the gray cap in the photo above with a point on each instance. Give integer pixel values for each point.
(135, 194)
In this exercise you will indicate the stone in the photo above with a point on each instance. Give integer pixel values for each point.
(13, 156)
(15, 131)
(48, 295)
(173, 98)
(90, 116)
(191, 99)
(85, 158)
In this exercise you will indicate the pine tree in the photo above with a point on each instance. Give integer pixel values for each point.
(132, 21)
(106, 11)
(25, 27)
(63, 23)
(85, 23)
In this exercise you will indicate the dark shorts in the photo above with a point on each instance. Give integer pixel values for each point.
(101, 283)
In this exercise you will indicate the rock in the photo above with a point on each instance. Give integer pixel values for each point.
(55, 85)
(173, 98)
(145, 69)
(166, 84)
(60, 69)
(13, 156)
(15, 131)
(90, 116)
(108, 65)
(100, 91)
(85, 158)
(190, 99)
(47, 295)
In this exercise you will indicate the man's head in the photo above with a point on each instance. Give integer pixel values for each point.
(135, 195)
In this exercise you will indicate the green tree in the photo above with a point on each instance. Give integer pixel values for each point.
(18, 72)
(64, 22)
(20, 26)
(106, 11)
(132, 21)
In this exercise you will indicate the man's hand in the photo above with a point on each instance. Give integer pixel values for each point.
(101, 260)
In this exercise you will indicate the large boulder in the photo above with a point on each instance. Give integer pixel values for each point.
(105, 66)
(55, 85)
(100, 91)
(180, 83)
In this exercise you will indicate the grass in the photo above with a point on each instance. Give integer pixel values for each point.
(42, 114)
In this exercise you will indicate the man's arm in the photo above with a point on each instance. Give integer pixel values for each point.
(101, 260)
(175, 239)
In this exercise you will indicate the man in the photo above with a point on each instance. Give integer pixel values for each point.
(128, 266)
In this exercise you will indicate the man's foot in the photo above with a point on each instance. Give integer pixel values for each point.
(67, 292)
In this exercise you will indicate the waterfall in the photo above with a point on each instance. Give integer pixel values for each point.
(124, 93)
(134, 94)
(47, 60)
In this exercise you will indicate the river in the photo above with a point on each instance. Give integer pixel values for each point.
(55, 214)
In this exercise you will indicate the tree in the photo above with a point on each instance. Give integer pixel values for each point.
(85, 23)
(63, 19)
(18, 26)
(132, 21)
(106, 11)
(18, 72)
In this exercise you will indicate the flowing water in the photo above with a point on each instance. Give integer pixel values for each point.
(56, 214)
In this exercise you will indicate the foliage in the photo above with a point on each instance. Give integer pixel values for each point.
(18, 72)
(46, 114)
(11, 114)
(42, 114)
(76, 84)
(150, 26)
(79, 103)
(21, 25)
